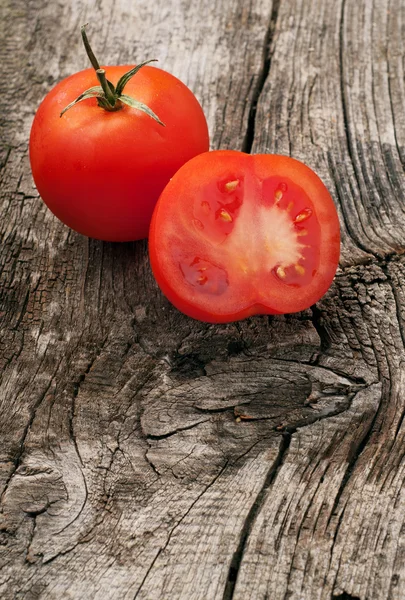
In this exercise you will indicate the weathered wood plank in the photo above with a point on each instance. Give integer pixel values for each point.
(145, 455)
(339, 489)
(331, 99)
(340, 531)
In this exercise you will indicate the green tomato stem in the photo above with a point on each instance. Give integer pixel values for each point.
(109, 97)
(87, 46)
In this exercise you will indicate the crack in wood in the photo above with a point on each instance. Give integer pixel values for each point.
(247, 143)
(226, 409)
(20, 452)
(76, 390)
(391, 96)
(356, 453)
(237, 558)
(395, 295)
(256, 506)
(164, 436)
(33, 514)
(163, 548)
(317, 321)
(310, 420)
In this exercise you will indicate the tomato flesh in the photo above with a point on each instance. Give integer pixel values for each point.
(234, 235)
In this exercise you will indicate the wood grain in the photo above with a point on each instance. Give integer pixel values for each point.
(145, 455)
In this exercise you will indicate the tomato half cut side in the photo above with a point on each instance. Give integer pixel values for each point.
(235, 235)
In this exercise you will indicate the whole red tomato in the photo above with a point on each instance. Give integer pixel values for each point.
(100, 167)
(235, 235)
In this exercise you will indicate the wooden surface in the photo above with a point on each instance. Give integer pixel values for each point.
(144, 455)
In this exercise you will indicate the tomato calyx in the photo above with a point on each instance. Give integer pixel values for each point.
(110, 97)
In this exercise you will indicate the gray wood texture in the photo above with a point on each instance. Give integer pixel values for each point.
(147, 456)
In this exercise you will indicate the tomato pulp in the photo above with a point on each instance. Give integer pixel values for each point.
(234, 235)
(101, 172)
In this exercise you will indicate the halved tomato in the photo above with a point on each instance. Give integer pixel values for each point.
(235, 234)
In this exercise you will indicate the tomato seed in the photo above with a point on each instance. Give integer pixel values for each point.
(303, 215)
(302, 232)
(283, 187)
(202, 279)
(205, 206)
(225, 216)
(290, 207)
(278, 195)
(231, 185)
(280, 272)
(299, 269)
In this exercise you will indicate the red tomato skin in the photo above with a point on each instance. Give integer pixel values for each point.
(102, 172)
(172, 207)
